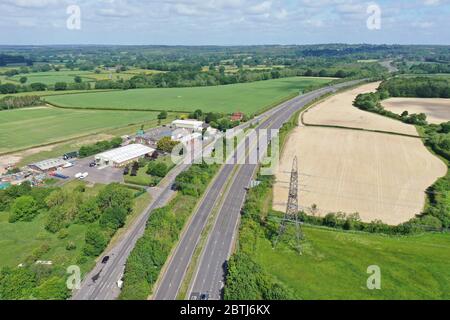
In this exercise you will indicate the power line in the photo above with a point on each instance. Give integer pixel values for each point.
(291, 215)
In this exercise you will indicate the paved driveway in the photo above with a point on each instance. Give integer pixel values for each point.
(104, 175)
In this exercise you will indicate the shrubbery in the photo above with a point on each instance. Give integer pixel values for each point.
(103, 214)
(246, 280)
(157, 169)
(193, 181)
(98, 147)
(23, 208)
(19, 102)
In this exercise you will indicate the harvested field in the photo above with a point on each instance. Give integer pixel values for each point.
(380, 176)
(437, 110)
(339, 111)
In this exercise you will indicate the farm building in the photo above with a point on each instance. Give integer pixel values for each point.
(48, 165)
(194, 125)
(122, 156)
(237, 116)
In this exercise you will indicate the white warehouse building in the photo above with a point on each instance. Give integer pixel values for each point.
(124, 155)
(194, 125)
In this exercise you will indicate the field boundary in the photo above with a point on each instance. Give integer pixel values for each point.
(71, 139)
(359, 129)
(157, 109)
(110, 109)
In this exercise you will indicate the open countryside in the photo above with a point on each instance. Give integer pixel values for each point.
(436, 109)
(36, 126)
(413, 267)
(51, 77)
(380, 176)
(339, 111)
(249, 98)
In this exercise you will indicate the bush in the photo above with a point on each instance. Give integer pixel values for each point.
(63, 233)
(52, 289)
(113, 218)
(71, 246)
(115, 195)
(23, 208)
(166, 144)
(95, 240)
(89, 211)
(247, 281)
(158, 169)
(16, 284)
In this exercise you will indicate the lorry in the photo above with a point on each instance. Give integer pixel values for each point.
(70, 155)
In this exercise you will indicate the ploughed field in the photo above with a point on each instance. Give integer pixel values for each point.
(436, 109)
(245, 97)
(378, 175)
(28, 127)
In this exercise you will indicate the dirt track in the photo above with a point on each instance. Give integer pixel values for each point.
(437, 110)
(338, 110)
(380, 176)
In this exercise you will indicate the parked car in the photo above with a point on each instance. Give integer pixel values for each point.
(68, 165)
(92, 164)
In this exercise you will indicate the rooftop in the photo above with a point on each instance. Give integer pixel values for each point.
(126, 153)
(49, 164)
(188, 122)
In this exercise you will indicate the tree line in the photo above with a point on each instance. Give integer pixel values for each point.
(420, 87)
(98, 147)
(9, 102)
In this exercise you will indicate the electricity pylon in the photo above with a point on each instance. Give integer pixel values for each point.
(291, 215)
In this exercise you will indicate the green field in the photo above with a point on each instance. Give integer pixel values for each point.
(24, 128)
(246, 97)
(334, 265)
(49, 93)
(51, 77)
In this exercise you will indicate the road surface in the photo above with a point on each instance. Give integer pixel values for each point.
(101, 282)
(210, 274)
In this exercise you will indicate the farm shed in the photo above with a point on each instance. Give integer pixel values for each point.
(122, 156)
(48, 165)
(193, 125)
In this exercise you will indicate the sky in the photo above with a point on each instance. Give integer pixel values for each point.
(223, 22)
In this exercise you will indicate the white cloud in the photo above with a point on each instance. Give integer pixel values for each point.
(431, 2)
(33, 3)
